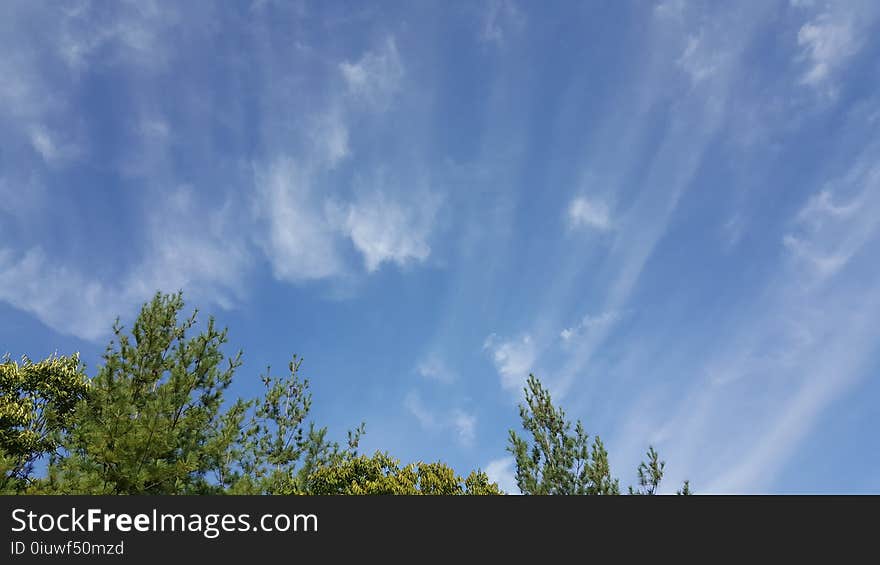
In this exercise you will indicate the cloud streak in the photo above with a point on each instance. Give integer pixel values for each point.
(461, 423)
(514, 359)
(376, 77)
(827, 42)
(295, 209)
(385, 230)
(585, 213)
(809, 339)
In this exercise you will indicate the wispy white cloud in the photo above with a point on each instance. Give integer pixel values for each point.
(798, 385)
(52, 149)
(590, 323)
(414, 405)
(295, 206)
(193, 245)
(308, 220)
(827, 42)
(386, 229)
(821, 207)
(824, 264)
(185, 238)
(808, 337)
(186, 248)
(376, 76)
(583, 212)
(514, 359)
(434, 368)
(825, 234)
(463, 424)
(501, 471)
(330, 139)
(135, 34)
(305, 229)
(57, 295)
(299, 240)
(697, 60)
(695, 118)
(43, 143)
(43, 73)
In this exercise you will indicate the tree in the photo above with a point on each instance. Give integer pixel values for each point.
(559, 458)
(37, 402)
(650, 474)
(382, 474)
(275, 454)
(155, 420)
(156, 423)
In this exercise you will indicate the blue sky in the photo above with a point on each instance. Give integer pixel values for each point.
(669, 212)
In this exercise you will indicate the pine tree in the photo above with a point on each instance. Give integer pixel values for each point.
(155, 420)
(558, 458)
(153, 423)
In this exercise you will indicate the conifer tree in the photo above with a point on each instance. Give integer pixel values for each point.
(558, 458)
(155, 420)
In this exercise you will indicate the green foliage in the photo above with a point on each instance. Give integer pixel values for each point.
(275, 453)
(650, 474)
(382, 474)
(37, 401)
(153, 423)
(155, 420)
(559, 458)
